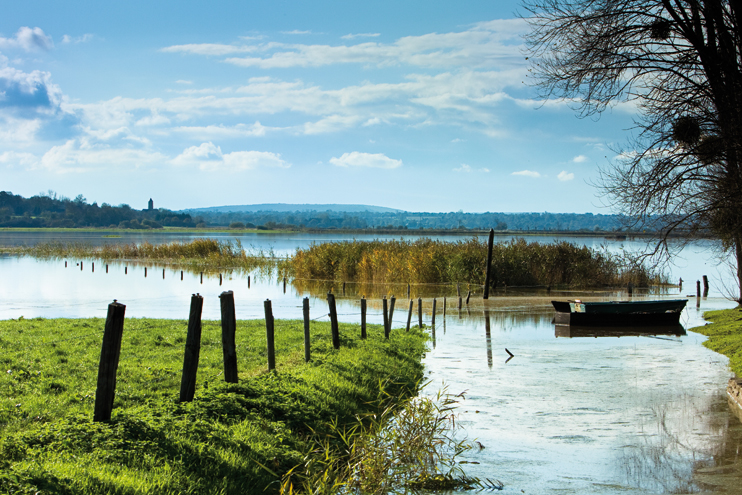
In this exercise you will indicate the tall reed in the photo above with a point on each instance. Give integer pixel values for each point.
(427, 261)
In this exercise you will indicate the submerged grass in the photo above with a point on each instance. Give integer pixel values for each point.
(427, 261)
(196, 254)
(724, 335)
(233, 438)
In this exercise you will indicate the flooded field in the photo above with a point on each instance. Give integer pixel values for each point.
(616, 414)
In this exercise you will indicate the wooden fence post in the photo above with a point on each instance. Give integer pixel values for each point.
(363, 317)
(333, 320)
(81, 266)
(307, 341)
(106, 268)
(284, 285)
(229, 326)
(698, 288)
(248, 281)
(192, 350)
(385, 310)
(163, 274)
(145, 272)
(93, 269)
(468, 295)
(409, 316)
(432, 323)
(444, 308)
(489, 265)
(705, 286)
(420, 312)
(202, 277)
(109, 362)
(181, 274)
(126, 270)
(270, 335)
(391, 311)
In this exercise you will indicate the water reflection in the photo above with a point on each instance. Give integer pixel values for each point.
(570, 331)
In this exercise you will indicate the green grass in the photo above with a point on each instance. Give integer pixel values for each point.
(233, 438)
(724, 335)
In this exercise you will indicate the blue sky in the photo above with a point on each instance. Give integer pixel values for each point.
(417, 105)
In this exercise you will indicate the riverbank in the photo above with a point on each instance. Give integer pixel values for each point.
(725, 337)
(233, 438)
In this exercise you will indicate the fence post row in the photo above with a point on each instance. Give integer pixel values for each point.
(109, 362)
(333, 320)
(269, 334)
(307, 349)
(192, 350)
(229, 325)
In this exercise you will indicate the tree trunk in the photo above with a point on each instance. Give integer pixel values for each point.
(738, 248)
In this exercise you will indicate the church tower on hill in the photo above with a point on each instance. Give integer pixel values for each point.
(151, 205)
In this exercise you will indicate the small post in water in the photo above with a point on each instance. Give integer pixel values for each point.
(284, 285)
(363, 317)
(229, 326)
(333, 320)
(220, 279)
(705, 286)
(698, 288)
(145, 272)
(81, 266)
(106, 268)
(444, 307)
(489, 264)
(269, 334)
(307, 349)
(468, 295)
(93, 267)
(420, 312)
(248, 281)
(391, 310)
(163, 274)
(126, 270)
(181, 275)
(109, 362)
(432, 322)
(192, 350)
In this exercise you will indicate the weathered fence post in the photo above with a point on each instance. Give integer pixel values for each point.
(284, 285)
(698, 288)
(705, 286)
(220, 279)
(81, 266)
(391, 311)
(444, 308)
(181, 274)
(126, 270)
(420, 312)
(432, 322)
(163, 274)
(270, 334)
(468, 295)
(489, 265)
(93, 267)
(229, 326)
(65, 264)
(192, 350)
(307, 342)
(106, 268)
(385, 311)
(363, 317)
(145, 271)
(333, 320)
(248, 281)
(409, 316)
(109, 362)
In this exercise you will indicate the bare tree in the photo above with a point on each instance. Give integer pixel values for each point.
(679, 62)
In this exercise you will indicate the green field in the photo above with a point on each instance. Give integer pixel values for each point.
(233, 438)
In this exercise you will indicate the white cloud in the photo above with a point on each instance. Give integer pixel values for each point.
(296, 31)
(183, 81)
(360, 35)
(77, 39)
(81, 156)
(208, 156)
(467, 168)
(565, 176)
(221, 131)
(495, 44)
(28, 39)
(13, 159)
(527, 173)
(579, 159)
(359, 159)
(29, 91)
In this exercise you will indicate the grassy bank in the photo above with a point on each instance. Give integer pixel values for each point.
(233, 438)
(725, 335)
(426, 261)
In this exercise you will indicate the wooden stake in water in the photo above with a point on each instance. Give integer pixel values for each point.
(444, 308)
(81, 266)
(126, 270)
(145, 272)
(229, 327)
(490, 242)
(333, 320)
(181, 275)
(420, 312)
(192, 350)
(93, 267)
(248, 281)
(363, 317)
(106, 268)
(307, 341)
(269, 335)
(163, 274)
(705, 286)
(409, 316)
(284, 285)
(432, 321)
(698, 288)
(109, 362)
(220, 279)
(202, 277)
(468, 295)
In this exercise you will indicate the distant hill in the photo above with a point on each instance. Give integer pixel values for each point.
(287, 207)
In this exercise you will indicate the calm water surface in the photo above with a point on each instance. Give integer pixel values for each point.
(565, 415)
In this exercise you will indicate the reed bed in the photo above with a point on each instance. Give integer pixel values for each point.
(196, 254)
(427, 261)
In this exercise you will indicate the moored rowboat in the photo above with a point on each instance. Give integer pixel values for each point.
(618, 313)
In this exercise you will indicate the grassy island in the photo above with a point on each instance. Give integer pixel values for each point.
(232, 439)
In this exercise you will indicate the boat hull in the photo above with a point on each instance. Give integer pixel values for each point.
(619, 313)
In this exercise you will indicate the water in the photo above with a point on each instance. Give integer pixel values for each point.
(564, 415)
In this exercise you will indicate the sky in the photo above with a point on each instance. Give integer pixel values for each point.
(417, 105)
